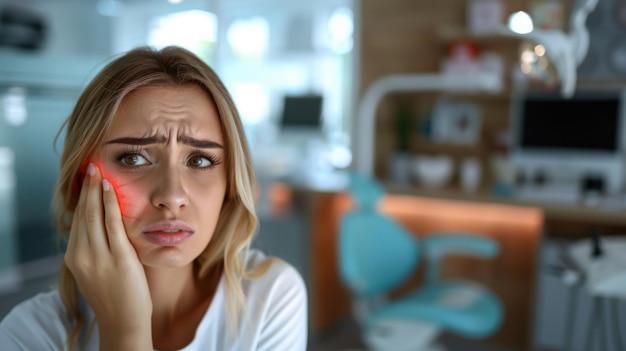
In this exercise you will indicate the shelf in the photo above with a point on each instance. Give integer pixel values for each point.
(421, 145)
(448, 34)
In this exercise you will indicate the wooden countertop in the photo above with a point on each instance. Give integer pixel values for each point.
(552, 211)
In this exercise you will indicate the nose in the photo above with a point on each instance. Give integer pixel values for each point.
(169, 190)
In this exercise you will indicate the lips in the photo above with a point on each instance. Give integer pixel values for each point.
(168, 233)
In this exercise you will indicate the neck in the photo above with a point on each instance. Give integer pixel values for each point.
(172, 290)
(179, 300)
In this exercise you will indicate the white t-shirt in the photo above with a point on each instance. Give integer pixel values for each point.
(275, 318)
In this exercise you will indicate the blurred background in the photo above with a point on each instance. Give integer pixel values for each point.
(450, 101)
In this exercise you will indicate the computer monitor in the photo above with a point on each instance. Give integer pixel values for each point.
(301, 118)
(301, 111)
(565, 140)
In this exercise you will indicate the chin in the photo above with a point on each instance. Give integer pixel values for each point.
(166, 257)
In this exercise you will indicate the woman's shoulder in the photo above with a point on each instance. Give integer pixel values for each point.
(45, 304)
(277, 304)
(279, 281)
(39, 320)
(280, 273)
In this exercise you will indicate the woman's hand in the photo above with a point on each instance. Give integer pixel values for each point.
(107, 269)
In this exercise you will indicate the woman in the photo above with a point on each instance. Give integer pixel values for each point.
(156, 194)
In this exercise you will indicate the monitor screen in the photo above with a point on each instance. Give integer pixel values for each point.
(302, 111)
(585, 122)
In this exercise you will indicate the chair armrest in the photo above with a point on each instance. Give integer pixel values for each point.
(466, 244)
(443, 244)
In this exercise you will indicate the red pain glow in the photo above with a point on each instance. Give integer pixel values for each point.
(122, 198)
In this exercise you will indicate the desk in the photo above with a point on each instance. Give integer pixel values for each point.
(561, 220)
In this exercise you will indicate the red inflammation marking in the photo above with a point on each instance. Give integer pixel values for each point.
(122, 197)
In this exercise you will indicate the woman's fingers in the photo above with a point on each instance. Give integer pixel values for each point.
(78, 232)
(118, 241)
(97, 226)
(94, 212)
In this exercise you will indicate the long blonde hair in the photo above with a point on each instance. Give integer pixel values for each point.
(91, 119)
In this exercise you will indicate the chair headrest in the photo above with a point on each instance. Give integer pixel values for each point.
(365, 191)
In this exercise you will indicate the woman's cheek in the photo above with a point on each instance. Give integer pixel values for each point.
(127, 196)
(128, 193)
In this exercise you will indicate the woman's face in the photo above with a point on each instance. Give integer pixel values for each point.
(165, 157)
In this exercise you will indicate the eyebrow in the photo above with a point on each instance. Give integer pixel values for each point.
(187, 140)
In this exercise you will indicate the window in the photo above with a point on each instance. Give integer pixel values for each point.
(194, 30)
(248, 38)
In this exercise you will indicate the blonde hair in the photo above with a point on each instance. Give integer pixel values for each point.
(91, 119)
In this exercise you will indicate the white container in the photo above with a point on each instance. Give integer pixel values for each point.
(432, 171)
(471, 173)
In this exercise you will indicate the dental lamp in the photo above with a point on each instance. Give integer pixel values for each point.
(564, 50)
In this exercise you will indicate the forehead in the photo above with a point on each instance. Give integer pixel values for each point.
(166, 110)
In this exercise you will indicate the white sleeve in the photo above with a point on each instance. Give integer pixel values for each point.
(10, 338)
(285, 325)
(35, 324)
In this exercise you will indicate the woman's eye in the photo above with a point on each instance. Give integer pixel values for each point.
(133, 160)
(200, 162)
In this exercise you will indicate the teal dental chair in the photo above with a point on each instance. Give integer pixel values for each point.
(377, 255)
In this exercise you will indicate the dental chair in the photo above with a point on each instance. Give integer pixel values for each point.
(378, 255)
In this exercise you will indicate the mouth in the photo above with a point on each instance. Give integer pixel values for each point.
(168, 233)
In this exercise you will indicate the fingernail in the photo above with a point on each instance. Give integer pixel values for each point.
(106, 186)
(91, 169)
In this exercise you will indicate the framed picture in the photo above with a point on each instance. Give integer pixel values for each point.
(456, 122)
